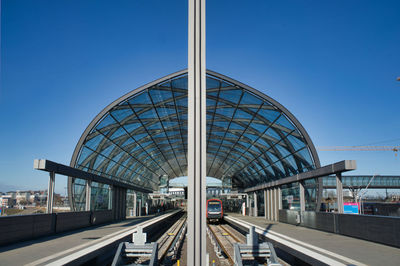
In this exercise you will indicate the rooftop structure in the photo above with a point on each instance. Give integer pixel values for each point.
(138, 138)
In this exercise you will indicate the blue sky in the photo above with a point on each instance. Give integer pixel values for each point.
(333, 64)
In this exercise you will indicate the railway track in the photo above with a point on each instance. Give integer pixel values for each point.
(224, 238)
(168, 236)
(168, 242)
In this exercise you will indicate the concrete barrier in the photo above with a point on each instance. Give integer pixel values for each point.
(25, 227)
(72, 220)
(286, 216)
(324, 221)
(380, 229)
(101, 217)
(18, 228)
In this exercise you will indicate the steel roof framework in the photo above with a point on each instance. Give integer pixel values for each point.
(251, 138)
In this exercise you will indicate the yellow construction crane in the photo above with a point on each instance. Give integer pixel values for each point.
(360, 148)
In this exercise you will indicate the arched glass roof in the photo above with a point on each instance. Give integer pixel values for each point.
(143, 135)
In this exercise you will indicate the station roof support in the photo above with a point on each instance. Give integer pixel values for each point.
(57, 168)
(339, 167)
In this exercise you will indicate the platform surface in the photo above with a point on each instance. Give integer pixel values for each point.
(44, 250)
(338, 247)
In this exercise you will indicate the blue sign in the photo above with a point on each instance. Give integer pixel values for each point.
(350, 208)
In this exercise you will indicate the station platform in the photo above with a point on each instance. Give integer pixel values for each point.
(65, 247)
(319, 246)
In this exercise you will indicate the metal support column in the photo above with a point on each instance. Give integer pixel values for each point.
(302, 197)
(50, 192)
(255, 212)
(123, 203)
(135, 212)
(279, 199)
(196, 241)
(88, 191)
(276, 204)
(265, 204)
(273, 202)
(339, 192)
(110, 197)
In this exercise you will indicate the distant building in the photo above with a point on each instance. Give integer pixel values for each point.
(13, 194)
(22, 196)
(7, 201)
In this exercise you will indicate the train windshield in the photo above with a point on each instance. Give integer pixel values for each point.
(214, 206)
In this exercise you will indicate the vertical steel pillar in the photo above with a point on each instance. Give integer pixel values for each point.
(123, 205)
(276, 190)
(279, 199)
(268, 205)
(302, 197)
(50, 192)
(273, 204)
(265, 204)
(135, 212)
(255, 213)
(110, 195)
(339, 192)
(88, 191)
(196, 244)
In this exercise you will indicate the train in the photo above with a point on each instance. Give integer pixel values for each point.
(215, 212)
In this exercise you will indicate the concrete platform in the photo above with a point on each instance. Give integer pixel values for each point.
(329, 248)
(53, 249)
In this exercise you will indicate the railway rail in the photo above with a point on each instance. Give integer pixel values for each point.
(224, 238)
(168, 243)
(168, 237)
(232, 247)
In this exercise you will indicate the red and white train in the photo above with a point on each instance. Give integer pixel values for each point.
(215, 211)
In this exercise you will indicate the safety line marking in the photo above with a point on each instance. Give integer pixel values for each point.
(93, 245)
(275, 236)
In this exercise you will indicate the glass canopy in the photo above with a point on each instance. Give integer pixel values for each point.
(143, 135)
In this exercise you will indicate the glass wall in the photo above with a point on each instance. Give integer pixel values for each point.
(79, 194)
(100, 197)
(310, 193)
(290, 196)
(130, 203)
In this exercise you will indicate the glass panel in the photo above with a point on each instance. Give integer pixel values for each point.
(108, 120)
(121, 114)
(283, 121)
(250, 99)
(152, 134)
(310, 193)
(290, 197)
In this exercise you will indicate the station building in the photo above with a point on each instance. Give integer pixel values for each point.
(141, 138)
